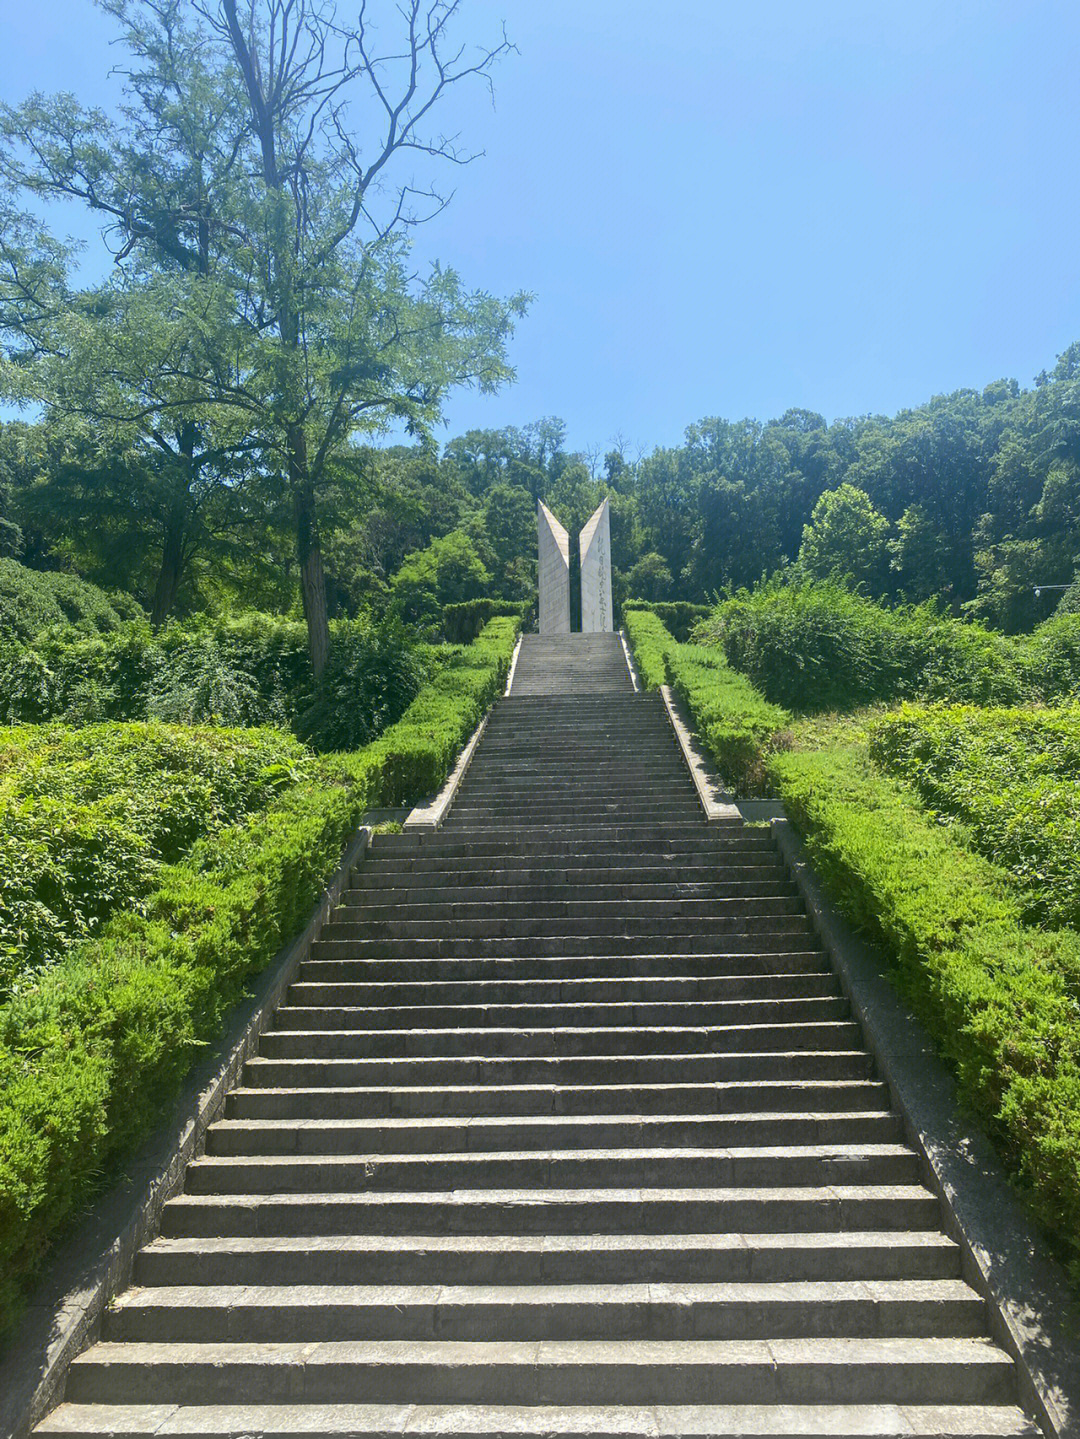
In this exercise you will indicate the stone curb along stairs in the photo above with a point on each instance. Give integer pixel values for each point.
(564, 1128)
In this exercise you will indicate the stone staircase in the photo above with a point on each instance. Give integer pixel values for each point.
(565, 1130)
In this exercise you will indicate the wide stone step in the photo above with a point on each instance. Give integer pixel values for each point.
(850, 1063)
(698, 837)
(638, 1014)
(599, 914)
(661, 774)
(759, 1209)
(485, 993)
(932, 1371)
(689, 879)
(547, 892)
(308, 1313)
(345, 965)
(550, 1258)
(517, 1133)
(359, 1102)
(508, 791)
(536, 813)
(694, 844)
(560, 1042)
(489, 1421)
(797, 1166)
(520, 773)
(771, 934)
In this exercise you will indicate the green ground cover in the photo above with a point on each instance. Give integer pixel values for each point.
(94, 1050)
(1012, 776)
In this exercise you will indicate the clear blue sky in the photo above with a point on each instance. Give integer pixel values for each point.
(845, 205)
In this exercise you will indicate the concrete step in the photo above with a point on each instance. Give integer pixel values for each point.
(770, 935)
(707, 878)
(550, 1259)
(777, 918)
(342, 964)
(701, 846)
(773, 1096)
(567, 1042)
(482, 993)
(544, 1132)
(661, 910)
(636, 1014)
(797, 1166)
(545, 891)
(699, 838)
(304, 1073)
(566, 1371)
(818, 1208)
(309, 1313)
(487, 1421)
(696, 845)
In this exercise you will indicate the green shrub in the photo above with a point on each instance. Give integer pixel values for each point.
(250, 670)
(88, 817)
(95, 1049)
(678, 616)
(461, 623)
(999, 999)
(36, 600)
(1051, 658)
(737, 726)
(1012, 776)
(649, 641)
(818, 647)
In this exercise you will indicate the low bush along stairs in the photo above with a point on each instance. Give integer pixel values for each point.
(565, 1129)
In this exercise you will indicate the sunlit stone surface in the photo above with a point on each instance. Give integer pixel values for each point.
(554, 545)
(595, 545)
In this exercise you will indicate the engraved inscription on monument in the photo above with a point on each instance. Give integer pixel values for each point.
(595, 545)
(554, 573)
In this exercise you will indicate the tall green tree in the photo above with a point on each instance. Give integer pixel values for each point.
(310, 326)
(846, 539)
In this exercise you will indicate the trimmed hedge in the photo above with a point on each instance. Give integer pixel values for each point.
(736, 724)
(650, 641)
(1010, 775)
(89, 816)
(92, 1055)
(36, 600)
(461, 623)
(999, 998)
(678, 616)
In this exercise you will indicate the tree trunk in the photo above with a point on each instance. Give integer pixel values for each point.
(176, 526)
(308, 551)
(171, 572)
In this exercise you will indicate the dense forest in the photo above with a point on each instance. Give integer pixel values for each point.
(973, 497)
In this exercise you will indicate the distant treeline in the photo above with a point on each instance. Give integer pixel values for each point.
(973, 497)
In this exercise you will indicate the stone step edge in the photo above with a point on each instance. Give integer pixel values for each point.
(374, 1421)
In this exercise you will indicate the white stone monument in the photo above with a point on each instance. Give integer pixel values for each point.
(554, 573)
(595, 545)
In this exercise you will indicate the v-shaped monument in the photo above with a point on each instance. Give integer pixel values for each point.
(595, 542)
(554, 573)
